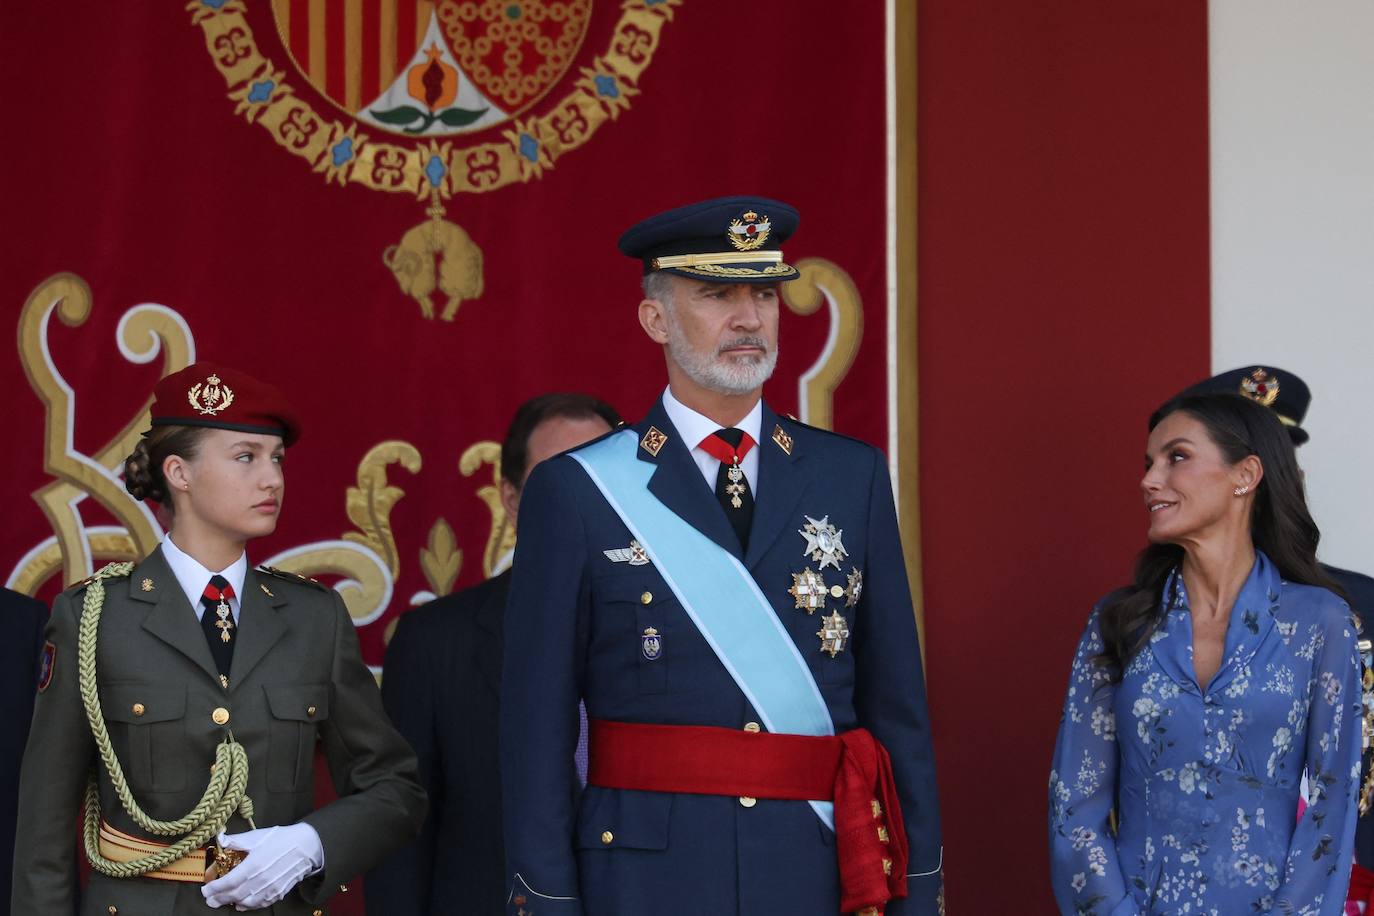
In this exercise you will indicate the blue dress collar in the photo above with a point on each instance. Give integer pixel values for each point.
(1252, 619)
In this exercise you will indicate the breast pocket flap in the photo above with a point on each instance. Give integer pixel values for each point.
(623, 819)
(139, 705)
(299, 702)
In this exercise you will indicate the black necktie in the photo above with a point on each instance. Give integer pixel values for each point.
(732, 488)
(218, 626)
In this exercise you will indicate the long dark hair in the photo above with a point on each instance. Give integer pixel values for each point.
(1280, 524)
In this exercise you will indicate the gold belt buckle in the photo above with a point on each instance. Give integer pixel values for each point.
(221, 861)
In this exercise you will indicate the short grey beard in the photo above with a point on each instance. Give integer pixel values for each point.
(715, 372)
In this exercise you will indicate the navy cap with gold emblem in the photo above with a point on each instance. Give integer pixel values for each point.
(725, 240)
(222, 398)
(1279, 390)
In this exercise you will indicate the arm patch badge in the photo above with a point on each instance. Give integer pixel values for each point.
(46, 666)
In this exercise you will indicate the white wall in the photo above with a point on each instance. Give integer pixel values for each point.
(1292, 163)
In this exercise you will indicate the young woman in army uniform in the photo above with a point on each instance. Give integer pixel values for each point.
(185, 696)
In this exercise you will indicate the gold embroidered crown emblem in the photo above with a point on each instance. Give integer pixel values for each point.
(1260, 386)
(210, 397)
(749, 231)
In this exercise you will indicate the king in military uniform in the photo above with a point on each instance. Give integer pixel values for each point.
(185, 696)
(725, 590)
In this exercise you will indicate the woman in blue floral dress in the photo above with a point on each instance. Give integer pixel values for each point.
(1202, 692)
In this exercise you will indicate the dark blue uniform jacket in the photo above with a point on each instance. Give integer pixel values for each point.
(573, 630)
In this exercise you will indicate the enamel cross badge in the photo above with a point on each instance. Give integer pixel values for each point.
(854, 588)
(823, 542)
(808, 589)
(834, 633)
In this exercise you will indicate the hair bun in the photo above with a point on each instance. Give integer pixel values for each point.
(139, 478)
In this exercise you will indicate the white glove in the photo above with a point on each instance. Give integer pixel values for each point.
(278, 858)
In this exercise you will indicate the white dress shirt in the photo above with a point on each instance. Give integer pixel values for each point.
(693, 427)
(193, 577)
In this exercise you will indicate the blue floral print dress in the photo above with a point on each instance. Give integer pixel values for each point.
(1206, 782)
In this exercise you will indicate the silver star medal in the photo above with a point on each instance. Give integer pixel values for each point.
(635, 555)
(823, 543)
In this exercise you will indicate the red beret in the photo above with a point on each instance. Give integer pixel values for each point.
(203, 394)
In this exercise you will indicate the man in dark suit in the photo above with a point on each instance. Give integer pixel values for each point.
(725, 589)
(21, 648)
(441, 686)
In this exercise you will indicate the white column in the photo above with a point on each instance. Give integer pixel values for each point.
(1292, 169)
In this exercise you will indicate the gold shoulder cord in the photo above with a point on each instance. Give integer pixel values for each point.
(225, 793)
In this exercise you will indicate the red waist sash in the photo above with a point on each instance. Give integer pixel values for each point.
(852, 770)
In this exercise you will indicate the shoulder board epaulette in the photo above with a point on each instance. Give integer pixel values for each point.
(802, 424)
(108, 571)
(293, 577)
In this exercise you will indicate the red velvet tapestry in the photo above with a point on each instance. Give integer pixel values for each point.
(404, 214)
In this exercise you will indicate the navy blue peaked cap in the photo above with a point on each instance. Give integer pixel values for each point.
(1281, 391)
(726, 240)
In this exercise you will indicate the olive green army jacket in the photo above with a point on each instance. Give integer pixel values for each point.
(296, 679)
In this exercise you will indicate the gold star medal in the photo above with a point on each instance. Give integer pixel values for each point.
(823, 544)
(808, 589)
(854, 588)
(834, 633)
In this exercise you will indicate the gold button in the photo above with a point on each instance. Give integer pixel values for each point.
(112, 910)
(751, 726)
(139, 709)
(748, 801)
(310, 711)
(646, 598)
(607, 837)
(317, 913)
(836, 592)
(220, 716)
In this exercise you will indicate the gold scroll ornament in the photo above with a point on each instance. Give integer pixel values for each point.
(367, 559)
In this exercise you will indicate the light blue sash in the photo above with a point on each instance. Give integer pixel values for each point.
(719, 595)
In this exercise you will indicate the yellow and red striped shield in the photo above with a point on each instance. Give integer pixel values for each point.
(425, 67)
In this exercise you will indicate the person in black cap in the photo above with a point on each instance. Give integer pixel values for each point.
(185, 695)
(1288, 397)
(725, 589)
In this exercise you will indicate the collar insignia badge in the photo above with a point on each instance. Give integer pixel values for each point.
(834, 633)
(749, 231)
(854, 588)
(1260, 386)
(634, 554)
(823, 542)
(146, 585)
(808, 590)
(266, 591)
(783, 440)
(651, 644)
(653, 441)
(210, 397)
